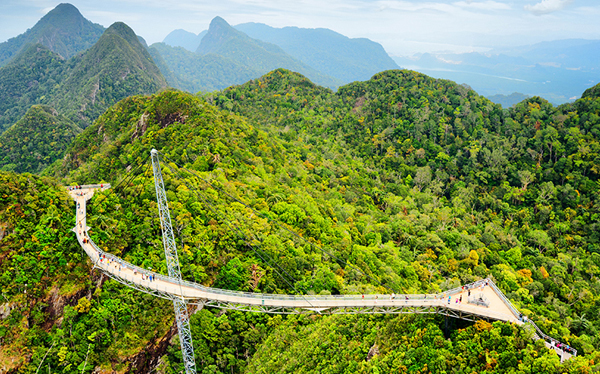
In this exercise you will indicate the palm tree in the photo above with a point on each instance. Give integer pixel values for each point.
(580, 324)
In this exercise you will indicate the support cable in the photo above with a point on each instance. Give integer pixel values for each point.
(283, 227)
(128, 178)
(245, 237)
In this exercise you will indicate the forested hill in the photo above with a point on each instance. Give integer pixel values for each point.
(82, 87)
(33, 74)
(36, 141)
(224, 40)
(519, 186)
(117, 66)
(421, 183)
(193, 72)
(225, 56)
(63, 30)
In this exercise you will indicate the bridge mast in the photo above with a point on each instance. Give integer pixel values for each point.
(181, 312)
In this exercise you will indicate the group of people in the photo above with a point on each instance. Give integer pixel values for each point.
(564, 347)
(102, 257)
(119, 265)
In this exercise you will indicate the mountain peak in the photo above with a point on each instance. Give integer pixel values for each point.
(64, 9)
(121, 29)
(64, 17)
(219, 33)
(118, 56)
(218, 22)
(63, 30)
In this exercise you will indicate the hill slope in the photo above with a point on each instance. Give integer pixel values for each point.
(63, 30)
(330, 53)
(27, 79)
(36, 141)
(184, 39)
(117, 66)
(193, 72)
(83, 87)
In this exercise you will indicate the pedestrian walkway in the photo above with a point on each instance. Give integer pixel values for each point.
(498, 308)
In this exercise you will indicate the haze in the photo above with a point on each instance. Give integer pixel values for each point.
(402, 27)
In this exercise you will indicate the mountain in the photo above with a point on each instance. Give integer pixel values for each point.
(63, 30)
(28, 79)
(222, 39)
(330, 53)
(567, 53)
(36, 141)
(82, 87)
(558, 70)
(192, 72)
(185, 39)
(508, 100)
(117, 66)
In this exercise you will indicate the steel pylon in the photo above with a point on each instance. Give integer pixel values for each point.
(181, 313)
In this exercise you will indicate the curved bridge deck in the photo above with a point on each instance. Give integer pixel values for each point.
(498, 306)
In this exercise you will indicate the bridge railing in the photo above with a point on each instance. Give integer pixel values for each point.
(438, 297)
(539, 332)
(549, 339)
(108, 256)
(470, 286)
(89, 186)
(424, 297)
(414, 297)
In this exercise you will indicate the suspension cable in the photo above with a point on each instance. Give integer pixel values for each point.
(128, 178)
(241, 233)
(284, 227)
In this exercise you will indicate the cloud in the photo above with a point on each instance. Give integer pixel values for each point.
(547, 6)
(482, 5)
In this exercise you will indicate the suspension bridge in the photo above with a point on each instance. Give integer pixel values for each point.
(478, 300)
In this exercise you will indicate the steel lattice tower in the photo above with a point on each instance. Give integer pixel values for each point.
(181, 312)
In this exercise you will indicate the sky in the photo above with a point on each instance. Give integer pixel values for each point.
(403, 27)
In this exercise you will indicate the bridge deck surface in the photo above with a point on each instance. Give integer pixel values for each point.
(498, 308)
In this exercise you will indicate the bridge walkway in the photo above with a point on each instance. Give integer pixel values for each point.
(498, 308)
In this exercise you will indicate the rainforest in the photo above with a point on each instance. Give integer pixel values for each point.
(411, 183)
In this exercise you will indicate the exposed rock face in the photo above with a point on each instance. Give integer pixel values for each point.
(374, 351)
(151, 357)
(5, 310)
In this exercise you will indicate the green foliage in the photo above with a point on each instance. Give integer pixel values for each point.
(406, 344)
(63, 30)
(82, 87)
(26, 80)
(36, 141)
(420, 183)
